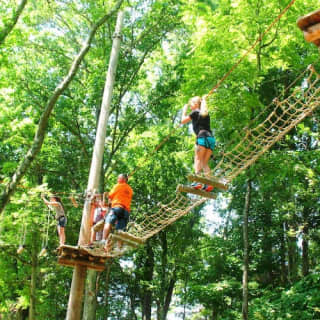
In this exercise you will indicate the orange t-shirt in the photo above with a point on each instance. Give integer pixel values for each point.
(121, 194)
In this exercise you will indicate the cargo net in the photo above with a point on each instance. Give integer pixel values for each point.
(163, 215)
(257, 138)
(140, 230)
(265, 132)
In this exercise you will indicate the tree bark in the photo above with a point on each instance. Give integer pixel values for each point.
(43, 122)
(90, 302)
(9, 26)
(245, 253)
(169, 295)
(33, 283)
(167, 286)
(108, 271)
(284, 272)
(76, 293)
(148, 276)
(292, 256)
(305, 251)
(305, 243)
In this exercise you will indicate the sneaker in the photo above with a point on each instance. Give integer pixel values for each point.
(208, 188)
(196, 185)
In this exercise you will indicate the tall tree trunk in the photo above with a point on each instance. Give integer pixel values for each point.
(284, 273)
(9, 26)
(33, 283)
(90, 300)
(148, 276)
(292, 256)
(305, 252)
(305, 243)
(169, 295)
(245, 253)
(214, 314)
(166, 291)
(76, 292)
(43, 122)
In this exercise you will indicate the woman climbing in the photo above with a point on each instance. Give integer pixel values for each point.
(56, 205)
(205, 142)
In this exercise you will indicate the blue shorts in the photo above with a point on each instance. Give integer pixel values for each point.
(207, 142)
(118, 217)
(62, 221)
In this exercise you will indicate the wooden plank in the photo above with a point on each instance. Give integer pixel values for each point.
(201, 193)
(215, 182)
(72, 262)
(313, 33)
(76, 251)
(309, 20)
(125, 240)
(98, 226)
(126, 235)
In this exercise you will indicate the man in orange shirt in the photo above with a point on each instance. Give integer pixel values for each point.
(120, 197)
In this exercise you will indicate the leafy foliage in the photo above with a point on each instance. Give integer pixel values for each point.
(170, 51)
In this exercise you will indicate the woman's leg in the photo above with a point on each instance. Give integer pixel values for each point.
(203, 157)
(62, 236)
(197, 161)
(206, 158)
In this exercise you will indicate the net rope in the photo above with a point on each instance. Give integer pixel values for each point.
(164, 215)
(263, 133)
(258, 137)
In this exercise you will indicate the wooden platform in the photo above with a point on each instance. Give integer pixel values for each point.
(94, 259)
(127, 238)
(202, 193)
(310, 25)
(215, 182)
(309, 20)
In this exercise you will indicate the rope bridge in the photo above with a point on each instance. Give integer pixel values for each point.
(138, 232)
(285, 115)
(261, 134)
(164, 215)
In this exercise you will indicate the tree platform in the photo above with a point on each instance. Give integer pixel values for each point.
(310, 25)
(127, 238)
(92, 258)
(215, 182)
(202, 193)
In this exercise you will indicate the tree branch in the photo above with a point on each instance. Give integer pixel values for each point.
(9, 26)
(43, 122)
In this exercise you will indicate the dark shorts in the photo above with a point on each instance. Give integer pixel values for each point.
(62, 221)
(207, 142)
(118, 217)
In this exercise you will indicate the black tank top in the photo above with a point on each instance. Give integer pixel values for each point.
(200, 124)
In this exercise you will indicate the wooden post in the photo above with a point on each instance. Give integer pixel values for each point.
(78, 279)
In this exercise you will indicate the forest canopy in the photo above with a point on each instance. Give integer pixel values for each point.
(54, 57)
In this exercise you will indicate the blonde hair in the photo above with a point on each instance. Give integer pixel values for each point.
(202, 105)
(196, 100)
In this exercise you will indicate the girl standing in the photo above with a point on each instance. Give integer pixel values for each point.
(205, 142)
(56, 205)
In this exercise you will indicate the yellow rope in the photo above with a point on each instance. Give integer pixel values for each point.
(284, 116)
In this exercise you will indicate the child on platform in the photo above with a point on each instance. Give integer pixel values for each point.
(55, 204)
(205, 142)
